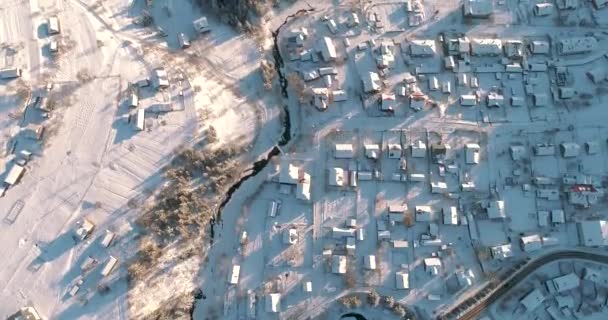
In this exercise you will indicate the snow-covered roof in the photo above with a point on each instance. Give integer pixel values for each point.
(517, 152)
(422, 48)
(576, 45)
(327, 49)
(486, 47)
(593, 233)
(570, 149)
(531, 243)
(558, 216)
(471, 153)
(289, 174)
(273, 301)
(496, 210)
(468, 99)
(478, 8)
(450, 215)
(369, 261)
(14, 174)
(337, 177)
(371, 82)
(539, 47)
(424, 213)
(343, 151)
(418, 149)
(567, 282)
(502, 252)
(402, 280)
(303, 188)
(532, 300)
(338, 264)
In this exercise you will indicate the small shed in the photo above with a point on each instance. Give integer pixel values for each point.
(543, 9)
(531, 243)
(418, 149)
(109, 266)
(402, 280)
(424, 214)
(273, 302)
(450, 215)
(394, 151)
(569, 149)
(338, 264)
(369, 262)
(558, 216)
(468, 100)
(518, 152)
(439, 187)
(471, 153)
(592, 147)
(372, 151)
(343, 151)
(234, 274)
(14, 175)
(337, 177)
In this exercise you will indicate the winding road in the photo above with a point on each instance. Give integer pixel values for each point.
(474, 306)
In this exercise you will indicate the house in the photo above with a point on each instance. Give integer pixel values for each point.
(540, 99)
(201, 25)
(439, 187)
(583, 195)
(569, 149)
(532, 300)
(495, 100)
(462, 79)
(544, 149)
(593, 233)
(424, 214)
(183, 40)
(439, 150)
(551, 194)
(563, 283)
(289, 174)
(417, 101)
(576, 45)
(433, 83)
(343, 151)
(371, 82)
(53, 26)
(14, 175)
(592, 147)
(369, 262)
(394, 151)
(107, 239)
(387, 102)
(422, 48)
(531, 243)
(543, 9)
(162, 81)
(402, 280)
(10, 73)
(290, 236)
(450, 215)
(517, 101)
(133, 100)
(417, 177)
(468, 100)
(496, 210)
(518, 152)
(332, 26)
(84, 229)
(486, 47)
(449, 63)
(307, 286)
(109, 266)
(543, 217)
(400, 244)
(514, 68)
(234, 274)
(272, 303)
(514, 48)
(339, 233)
(418, 149)
(338, 264)
(327, 49)
(566, 92)
(350, 245)
(558, 216)
(339, 95)
(567, 4)
(320, 98)
(337, 177)
(303, 188)
(465, 278)
(372, 151)
(471, 153)
(600, 3)
(595, 276)
(478, 8)
(502, 252)
(26, 313)
(539, 47)
(432, 265)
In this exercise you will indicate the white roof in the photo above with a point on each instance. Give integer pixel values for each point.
(486, 47)
(471, 153)
(338, 264)
(570, 149)
(402, 280)
(273, 301)
(339, 95)
(201, 24)
(109, 266)
(369, 262)
(517, 152)
(424, 213)
(422, 48)
(468, 99)
(593, 233)
(303, 188)
(234, 274)
(539, 47)
(401, 208)
(543, 217)
(557, 216)
(141, 118)
(432, 262)
(327, 49)
(532, 300)
(343, 150)
(14, 175)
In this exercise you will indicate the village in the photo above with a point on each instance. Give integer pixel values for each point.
(446, 160)
(430, 164)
